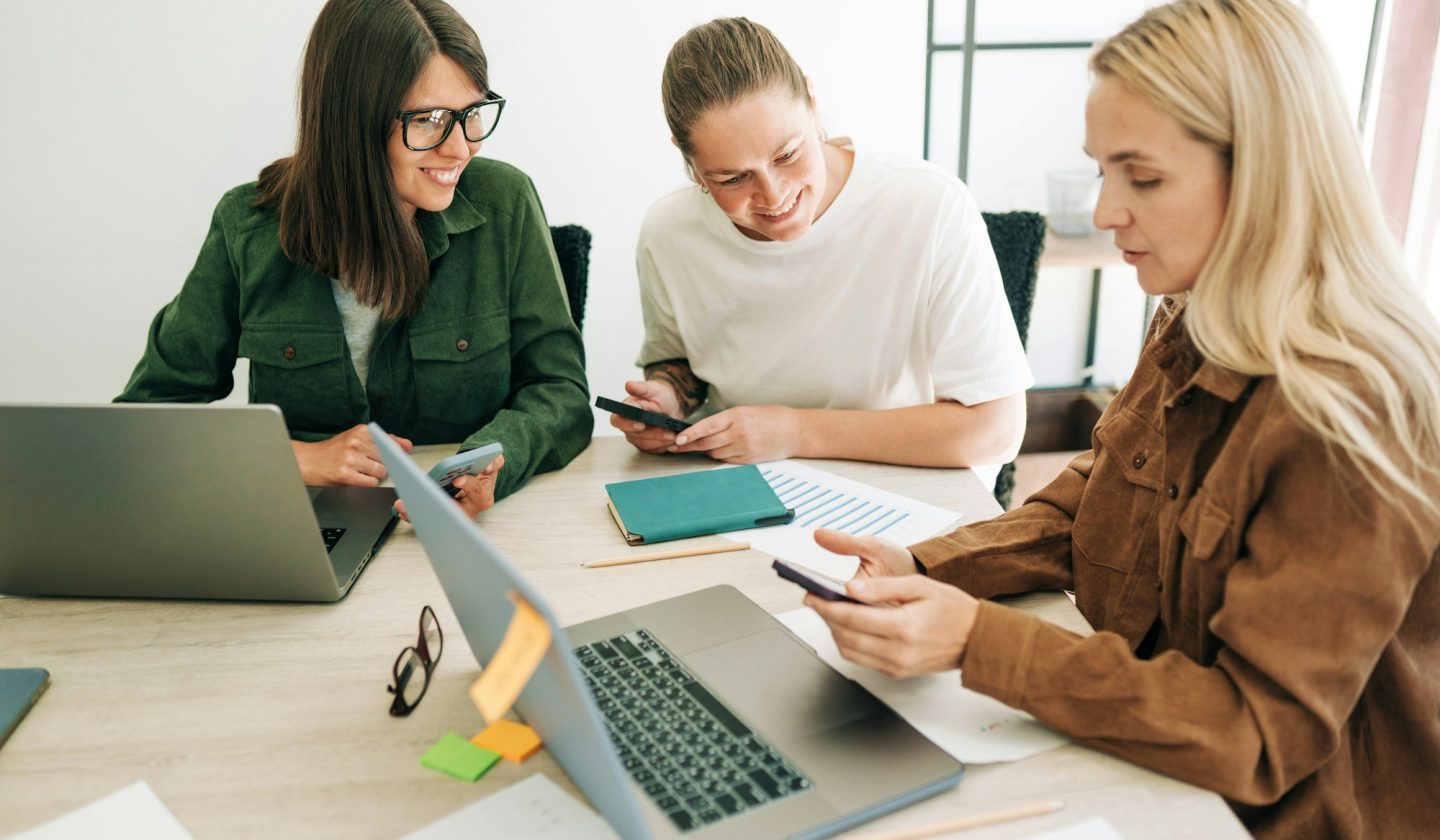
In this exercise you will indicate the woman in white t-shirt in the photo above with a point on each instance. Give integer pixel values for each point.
(810, 298)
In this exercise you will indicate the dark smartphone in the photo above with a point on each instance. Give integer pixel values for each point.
(651, 417)
(830, 590)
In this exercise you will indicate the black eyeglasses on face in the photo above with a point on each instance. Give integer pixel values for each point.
(427, 128)
(411, 672)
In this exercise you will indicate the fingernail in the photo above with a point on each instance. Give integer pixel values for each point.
(857, 584)
(682, 440)
(670, 449)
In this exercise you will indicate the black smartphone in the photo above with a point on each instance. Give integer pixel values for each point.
(830, 590)
(651, 417)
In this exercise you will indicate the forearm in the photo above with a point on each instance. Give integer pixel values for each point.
(544, 426)
(1025, 550)
(943, 434)
(1210, 726)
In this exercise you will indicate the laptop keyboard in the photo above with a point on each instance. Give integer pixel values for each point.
(332, 536)
(694, 758)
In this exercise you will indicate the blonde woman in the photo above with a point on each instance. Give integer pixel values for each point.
(814, 297)
(1254, 534)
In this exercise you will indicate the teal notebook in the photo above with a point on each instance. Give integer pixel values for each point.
(672, 507)
(19, 689)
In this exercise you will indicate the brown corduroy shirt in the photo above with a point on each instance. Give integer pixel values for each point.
(1266, 626)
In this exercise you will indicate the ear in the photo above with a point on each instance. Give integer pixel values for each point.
(690, 173)
(674, 142)
(810, 91)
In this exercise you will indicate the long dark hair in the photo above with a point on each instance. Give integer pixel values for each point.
(339, 212)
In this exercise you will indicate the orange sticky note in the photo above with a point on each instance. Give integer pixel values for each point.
(515, 741)
(526, 640)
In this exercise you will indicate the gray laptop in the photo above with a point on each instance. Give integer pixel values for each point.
(174, 501)
(696, 716)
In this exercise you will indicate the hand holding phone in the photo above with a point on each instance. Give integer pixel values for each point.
(813, 582)
(470, 462)
(652, 418)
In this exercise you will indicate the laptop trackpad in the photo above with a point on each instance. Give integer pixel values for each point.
(778, 686)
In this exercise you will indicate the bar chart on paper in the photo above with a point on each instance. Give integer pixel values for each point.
(825, 500)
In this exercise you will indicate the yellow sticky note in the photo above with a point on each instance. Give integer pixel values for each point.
(515, 741)
(526, 640)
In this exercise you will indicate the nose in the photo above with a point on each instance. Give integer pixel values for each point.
(769, 191)
(1110, 212)
(456, 146)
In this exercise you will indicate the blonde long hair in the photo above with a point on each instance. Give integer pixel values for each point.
(1305, 281)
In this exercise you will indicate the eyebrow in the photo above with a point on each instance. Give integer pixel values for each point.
(712, 172)
(1120, 157)
(422, 108)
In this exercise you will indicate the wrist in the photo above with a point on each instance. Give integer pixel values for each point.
(302, 460)
(801, 436)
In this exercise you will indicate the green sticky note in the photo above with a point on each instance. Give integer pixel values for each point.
(457, 757)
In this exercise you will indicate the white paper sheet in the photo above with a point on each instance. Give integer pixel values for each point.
(825, 500)
(970, 726)
(132, 813)
(532, 809)
(1095, 828)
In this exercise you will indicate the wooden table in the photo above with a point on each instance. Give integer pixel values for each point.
(270, 720)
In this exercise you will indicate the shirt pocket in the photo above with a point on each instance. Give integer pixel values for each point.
(462, 369)
(1115, 522)
(300, 369)
(1207, 558)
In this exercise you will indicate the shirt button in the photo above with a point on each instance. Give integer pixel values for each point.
(462, 345)
(1159, 585)
(1186, 397)
(1172, 491)
(289, 353)
(1139, 461)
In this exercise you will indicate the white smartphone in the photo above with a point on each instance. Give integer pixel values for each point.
(469, 462)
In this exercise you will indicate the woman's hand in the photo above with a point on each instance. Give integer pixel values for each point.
(924, 631)
(878, 558)
(477, 492)
(651, 395)
(347, 458)
(747, 434)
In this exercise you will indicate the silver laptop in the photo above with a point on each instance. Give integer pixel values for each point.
(174, 501)
(695, 716)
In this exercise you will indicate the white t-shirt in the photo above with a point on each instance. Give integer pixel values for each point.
(361, 323)
(891, 299)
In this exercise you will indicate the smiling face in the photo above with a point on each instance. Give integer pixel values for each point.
(427, 179)
(763, 162)
(1164, 193)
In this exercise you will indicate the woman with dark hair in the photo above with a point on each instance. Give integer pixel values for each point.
(383, 272)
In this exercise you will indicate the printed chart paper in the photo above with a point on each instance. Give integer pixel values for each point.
(825, 500)
(1095, 828)
(132, 813)
(970, 726)
(531, 809)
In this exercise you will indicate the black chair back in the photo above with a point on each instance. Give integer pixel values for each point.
(1017, 238)
(572, 249)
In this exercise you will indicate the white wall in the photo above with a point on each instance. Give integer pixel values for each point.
(125, 122)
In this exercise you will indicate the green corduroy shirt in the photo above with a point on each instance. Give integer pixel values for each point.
(492, 354)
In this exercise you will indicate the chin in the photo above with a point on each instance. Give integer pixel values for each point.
(436, 203)
(789, 232)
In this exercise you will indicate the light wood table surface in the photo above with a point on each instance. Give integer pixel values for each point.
(270, 720)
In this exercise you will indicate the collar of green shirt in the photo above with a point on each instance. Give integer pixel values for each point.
(437, 228)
